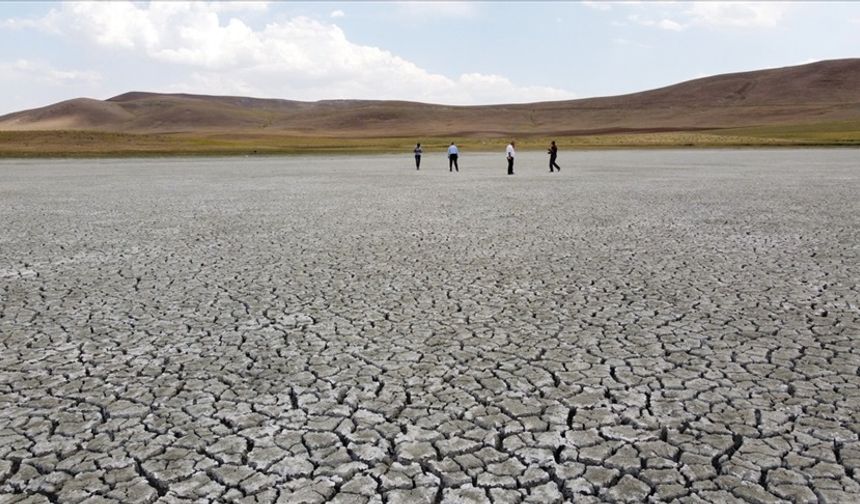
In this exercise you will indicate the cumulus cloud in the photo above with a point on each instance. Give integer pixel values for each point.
(297, 58)
(337, 13)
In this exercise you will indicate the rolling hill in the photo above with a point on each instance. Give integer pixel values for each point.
(826, 92)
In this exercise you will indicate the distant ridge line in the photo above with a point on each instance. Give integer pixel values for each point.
(824, 91)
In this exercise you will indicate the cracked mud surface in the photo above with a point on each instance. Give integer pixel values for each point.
(644, 326)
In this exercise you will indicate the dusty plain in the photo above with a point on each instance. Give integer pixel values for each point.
(645, 326)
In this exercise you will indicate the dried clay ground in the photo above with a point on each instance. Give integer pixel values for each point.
(664, 326)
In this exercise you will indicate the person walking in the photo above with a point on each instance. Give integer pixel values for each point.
(553, 153)
(453, 155)
(510, 153)
(418, 151)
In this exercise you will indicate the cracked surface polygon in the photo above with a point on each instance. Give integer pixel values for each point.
(665, 326)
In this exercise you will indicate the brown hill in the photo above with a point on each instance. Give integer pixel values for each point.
(79, 113)
(814, 93)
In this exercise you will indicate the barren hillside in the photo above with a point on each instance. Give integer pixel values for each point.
(814, 93)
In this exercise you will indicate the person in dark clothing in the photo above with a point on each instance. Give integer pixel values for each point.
(418, 151)
(453, 155)
(553, 153)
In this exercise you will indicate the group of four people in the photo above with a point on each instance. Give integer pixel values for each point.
(510, 154)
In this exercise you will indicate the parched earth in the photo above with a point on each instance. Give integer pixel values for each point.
(657, 326)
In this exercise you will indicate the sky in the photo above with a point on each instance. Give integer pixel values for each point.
(459, 53)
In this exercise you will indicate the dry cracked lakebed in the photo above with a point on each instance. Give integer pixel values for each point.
(645, 326)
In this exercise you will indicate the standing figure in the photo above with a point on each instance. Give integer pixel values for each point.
(418, 151)
(453, 154)
(553, 153)
(510, 153)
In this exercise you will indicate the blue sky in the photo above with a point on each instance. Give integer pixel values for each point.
(441, 52)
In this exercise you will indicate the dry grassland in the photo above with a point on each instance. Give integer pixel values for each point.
(104, 144)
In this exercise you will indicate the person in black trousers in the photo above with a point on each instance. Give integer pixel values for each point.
(553, 153)
(453, 155)
(418, 151)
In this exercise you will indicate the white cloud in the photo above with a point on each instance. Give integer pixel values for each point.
(668, 24)
(498, 89)
(663, 24)
(337, 13)
(46, 23)
(118, 24)
(737, 14)
(41, 72)
(603, 6)
(296, 58)
(18, 24)
(677, 16)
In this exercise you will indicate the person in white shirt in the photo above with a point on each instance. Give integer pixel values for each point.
(453, 154)
(511, 154)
